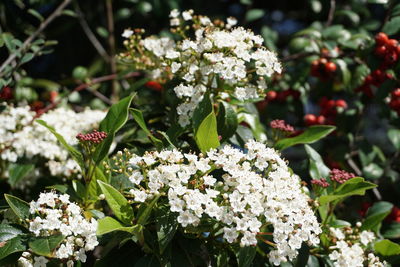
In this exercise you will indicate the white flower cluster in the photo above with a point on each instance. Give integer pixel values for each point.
(226, 61)
(350, 248)
(21, 138)
(55, 214)
(241, 191)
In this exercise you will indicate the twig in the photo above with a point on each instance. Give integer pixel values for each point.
(90, 35)
(32, 37)
(297, 56)
(85, 86)
(111, 43)
(99, 95)
(331, 13)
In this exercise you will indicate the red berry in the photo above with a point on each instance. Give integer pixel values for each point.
(392, 44)
(330, 67)
(315, 68)
(395, 104)
(369, 79)
(381, 38)
(380, 50)
(391, 58)
(271, 95)
(156, 86)
(310, 119)
(321, 119)
(330, 104)
(6, 93)
(396, 93)
(341, 103)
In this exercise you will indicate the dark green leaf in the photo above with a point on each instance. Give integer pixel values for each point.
(138, 117)
(354, 186)
(245, 256)
(11, 246)
(114, 120)
(36, 14)
(75, 154)
(394, 137)
(254, 14)
(20, 207)
(118, 203)
(376, 214)
(391, 231)
(392, 26)
(227, 121)
(166, 227)
(17, 172)
(310, 135)
(45, 245)
(145, 211)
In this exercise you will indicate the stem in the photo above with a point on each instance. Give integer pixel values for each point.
(331, 13)
(111, 43)
(32, 37)
(89, 33)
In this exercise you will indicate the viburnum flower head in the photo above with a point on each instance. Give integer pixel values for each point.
(246, 191)
(221, 59)
(55, 214)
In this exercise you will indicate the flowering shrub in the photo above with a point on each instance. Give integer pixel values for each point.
(218, 146)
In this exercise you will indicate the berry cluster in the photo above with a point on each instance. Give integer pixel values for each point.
(387, 49)
(282, 126)
(94, 137)
(340, 176)
(323, 68)
(328, 112)
(320, 182)
(395, 100)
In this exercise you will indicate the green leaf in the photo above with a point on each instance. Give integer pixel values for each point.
(118, 203)
(11, 246)
(138, 117)
(7, 37)
(387, 248)
(26, 58)
(309, 136)
(8, 232)
(17, 172)
(354, 186)
(391, 231)
(245, 256)
(373, 171)
(75, 154)
(317, 168)
(345, 72)
(376, 214)
(36, 14)
(145, 211)
(20, 207)
(254, 14)
(206, 135)
(392, 26)
(107, 225)
(201, 112)
(166, 227)
(45, 245)
(394, 137)
(114, 120)
(227, 121)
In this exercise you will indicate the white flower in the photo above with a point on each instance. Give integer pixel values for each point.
(187, 15)
(174, 13)
(127, 33)
(40, 261)
(367, 237)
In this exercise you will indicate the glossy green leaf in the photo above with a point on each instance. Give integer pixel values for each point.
(116, 117)
(17, 172)
(107, 225)
(245, 256)
(138, 117)
(145, 211)
(227, 121)
(391, 231)
(206, 135)
(387, 248)
(166, 227)
(392, 26)
(75, 154)
(8, 232)
(352, 187)
(317, 168)
(118, 203)
(203, 109)
(45, 245)
(309, 136)
(20, 207)
(376, 214)
(11, 246)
